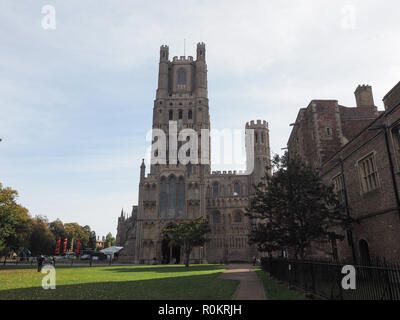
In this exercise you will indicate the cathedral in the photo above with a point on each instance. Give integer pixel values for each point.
(175, 191)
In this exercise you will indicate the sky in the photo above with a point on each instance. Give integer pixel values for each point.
(76, 101)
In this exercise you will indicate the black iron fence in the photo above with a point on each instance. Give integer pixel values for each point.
(377, 280)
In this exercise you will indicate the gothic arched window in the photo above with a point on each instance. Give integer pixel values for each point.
(238, 217)
(181, 197)
(171, 196)
(215, 190)
(217, 217)
(182, 76)
(189, 169)
(163, 198)
(236, 189)
(190, 115)
(364, 251)
(180, 115)
(171, 115)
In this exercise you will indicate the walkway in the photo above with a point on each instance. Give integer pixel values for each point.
(250, 286)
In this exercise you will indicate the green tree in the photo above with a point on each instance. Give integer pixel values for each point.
(75, 231)
(42, 240)
(187, 235)
(14, 222)
(109, 240)
(57, 229)
(294, 208)
(92, 240)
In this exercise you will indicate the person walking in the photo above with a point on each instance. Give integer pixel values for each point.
(40, 263)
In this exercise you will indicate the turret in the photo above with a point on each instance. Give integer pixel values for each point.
(257, 148)
(201, 71)
(142, 171)
(163, 76)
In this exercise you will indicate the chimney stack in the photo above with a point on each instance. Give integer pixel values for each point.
(364, 96)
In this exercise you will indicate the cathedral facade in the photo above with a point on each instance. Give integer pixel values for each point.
(175, 191)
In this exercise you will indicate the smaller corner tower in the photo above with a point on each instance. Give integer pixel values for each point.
(163, 73)
(257, 149)
(201, 71)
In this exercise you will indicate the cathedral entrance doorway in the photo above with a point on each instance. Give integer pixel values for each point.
(170, 255)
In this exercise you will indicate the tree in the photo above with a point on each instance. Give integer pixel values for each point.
(187, 235)
(75, 231)
(110, 240)
(42, 240)
(92, 240)
(295, 208)
(57, 229)
(14, 222)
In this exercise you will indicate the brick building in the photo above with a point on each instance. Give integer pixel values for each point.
(324, 126)
(358, 151)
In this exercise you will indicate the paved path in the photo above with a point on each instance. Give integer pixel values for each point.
(250, 286)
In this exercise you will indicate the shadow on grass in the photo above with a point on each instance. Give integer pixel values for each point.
(196, 287)
(164, 268)
(34, 266)
(127, 268)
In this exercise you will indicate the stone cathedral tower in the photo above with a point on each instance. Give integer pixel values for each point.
(175, 191)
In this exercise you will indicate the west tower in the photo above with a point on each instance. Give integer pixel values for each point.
(182, 98)
(174, 191)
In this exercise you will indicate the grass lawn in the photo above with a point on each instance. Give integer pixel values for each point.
(198, 282)
(276, 291)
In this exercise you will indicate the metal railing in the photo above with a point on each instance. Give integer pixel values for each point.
(377, 280)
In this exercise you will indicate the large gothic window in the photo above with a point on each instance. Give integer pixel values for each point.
(171, 196)
(236, 189)
(217, 217)
(215, 190)
(182, 76)
(238, 217)
(181, 197)
(163, 198)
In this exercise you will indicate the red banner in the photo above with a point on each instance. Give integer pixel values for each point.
(78, 246)
(65, 244)
(58, 245)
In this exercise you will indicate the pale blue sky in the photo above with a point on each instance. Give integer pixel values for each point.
(76, 102)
